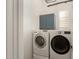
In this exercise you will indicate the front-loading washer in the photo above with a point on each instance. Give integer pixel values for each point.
(60, 45)
(41, 44)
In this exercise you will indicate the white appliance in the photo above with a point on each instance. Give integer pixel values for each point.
(60, 45)
(40, 45)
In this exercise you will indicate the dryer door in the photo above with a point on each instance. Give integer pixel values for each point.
(60, 44)
(40, 41)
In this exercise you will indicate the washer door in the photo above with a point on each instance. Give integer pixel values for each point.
(60, 44)
(40, 41)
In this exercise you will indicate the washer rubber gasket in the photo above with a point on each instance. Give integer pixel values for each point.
(40, 41)
(60, 44)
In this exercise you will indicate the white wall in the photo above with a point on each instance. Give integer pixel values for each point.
(27, 28)
(40, 7)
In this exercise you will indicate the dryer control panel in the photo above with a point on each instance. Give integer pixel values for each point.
(67, 32)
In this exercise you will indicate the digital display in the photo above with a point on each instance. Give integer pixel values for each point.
(67, 32)
(47, 22)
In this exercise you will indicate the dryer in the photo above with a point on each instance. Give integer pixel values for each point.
(40, 45)
(60, 45)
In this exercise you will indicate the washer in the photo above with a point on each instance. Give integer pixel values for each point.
(41, 44)
(60, 45)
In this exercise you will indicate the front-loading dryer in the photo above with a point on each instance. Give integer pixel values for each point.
(40, 44)
(60, 45)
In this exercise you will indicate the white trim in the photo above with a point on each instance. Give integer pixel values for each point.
(20, 31)
(9, 29)
(14, 29)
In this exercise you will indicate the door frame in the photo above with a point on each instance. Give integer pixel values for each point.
(14, 29)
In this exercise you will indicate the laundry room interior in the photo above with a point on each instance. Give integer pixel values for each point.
(45, 30)
(33, 9)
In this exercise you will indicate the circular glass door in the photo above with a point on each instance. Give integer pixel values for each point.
(40, 41)
(60, 44)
